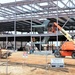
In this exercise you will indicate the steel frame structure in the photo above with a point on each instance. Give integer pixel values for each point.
(40, 9)
(30, 12)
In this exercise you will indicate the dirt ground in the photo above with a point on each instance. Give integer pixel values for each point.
(31, 64)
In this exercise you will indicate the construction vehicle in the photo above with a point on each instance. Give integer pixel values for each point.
(4, 53)
(68, 47)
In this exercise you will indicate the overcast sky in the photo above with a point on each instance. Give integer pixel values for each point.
(7, 1)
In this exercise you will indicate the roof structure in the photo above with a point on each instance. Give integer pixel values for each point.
(37, 9)
(34, 12)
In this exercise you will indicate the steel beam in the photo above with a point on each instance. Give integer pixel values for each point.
(26, 2)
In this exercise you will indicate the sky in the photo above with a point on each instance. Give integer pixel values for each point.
(7, 1)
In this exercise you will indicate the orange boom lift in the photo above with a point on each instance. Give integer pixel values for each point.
(68, 47)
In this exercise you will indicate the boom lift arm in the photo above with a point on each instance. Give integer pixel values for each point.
(66, 34)
(68, 47)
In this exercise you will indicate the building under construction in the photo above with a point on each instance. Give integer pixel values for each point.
(22, 20)
(37, 27)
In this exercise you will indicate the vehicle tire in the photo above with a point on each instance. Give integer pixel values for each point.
(9, 54)
(57, 54)
(73, 55)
